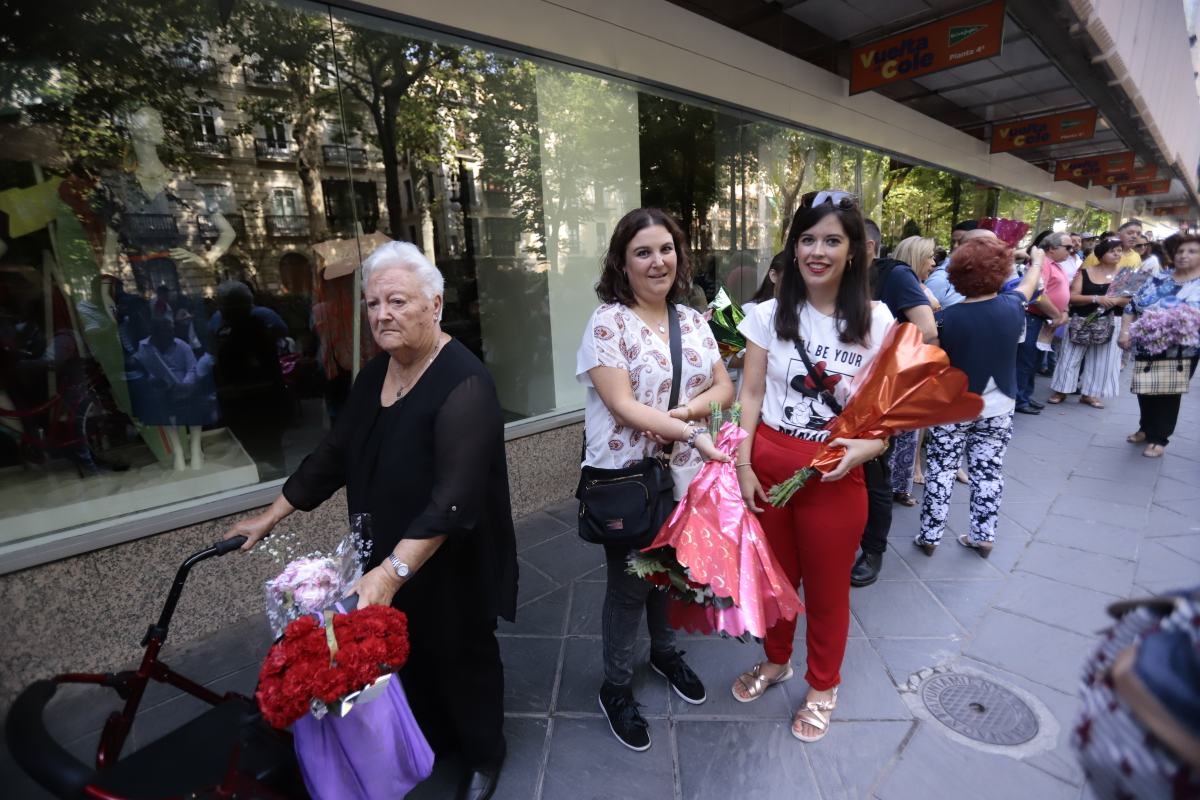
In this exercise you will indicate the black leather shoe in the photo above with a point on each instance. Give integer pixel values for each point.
(1037, 405)
(1027, 410)
(866, 569)
(480, 783)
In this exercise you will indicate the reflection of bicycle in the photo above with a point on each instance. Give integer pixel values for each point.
(78, 424)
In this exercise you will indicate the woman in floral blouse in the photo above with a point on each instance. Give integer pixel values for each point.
(624, 361)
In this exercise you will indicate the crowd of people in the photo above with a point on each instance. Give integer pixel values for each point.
(651, 369)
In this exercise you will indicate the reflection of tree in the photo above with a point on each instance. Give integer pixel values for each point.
(413, 91)
(292, 49)
(82, 67)
(678, 160)
(505, 128)
(921, 196)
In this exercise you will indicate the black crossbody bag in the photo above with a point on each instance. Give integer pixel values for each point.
(627, 506)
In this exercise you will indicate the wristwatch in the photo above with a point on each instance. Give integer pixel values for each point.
(402, 569)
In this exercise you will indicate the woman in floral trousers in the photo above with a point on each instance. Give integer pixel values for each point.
(980, 337)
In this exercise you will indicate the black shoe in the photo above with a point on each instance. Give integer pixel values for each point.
(1027, 410)
(866, 569)
(685, 682)
(1037, 405)
(480, 783)
(624, 719)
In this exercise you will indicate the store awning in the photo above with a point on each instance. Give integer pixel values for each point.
(1049, 62)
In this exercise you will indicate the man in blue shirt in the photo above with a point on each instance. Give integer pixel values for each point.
(938, 281)
(894, 283)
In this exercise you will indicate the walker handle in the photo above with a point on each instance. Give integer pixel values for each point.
(229, 545)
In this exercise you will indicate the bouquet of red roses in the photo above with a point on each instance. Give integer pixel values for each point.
(314, 667)
(910, 385)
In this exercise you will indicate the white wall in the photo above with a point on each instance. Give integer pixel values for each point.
(656, 41)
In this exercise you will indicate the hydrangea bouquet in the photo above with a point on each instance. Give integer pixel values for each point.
(1165, 326)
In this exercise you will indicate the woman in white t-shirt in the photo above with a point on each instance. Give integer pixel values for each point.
(804, 349)
(624, 361)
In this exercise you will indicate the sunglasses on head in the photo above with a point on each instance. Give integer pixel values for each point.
(837, 199)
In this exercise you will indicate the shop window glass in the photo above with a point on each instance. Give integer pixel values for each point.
(179, 311)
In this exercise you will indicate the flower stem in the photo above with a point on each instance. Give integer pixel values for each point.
(780, 493)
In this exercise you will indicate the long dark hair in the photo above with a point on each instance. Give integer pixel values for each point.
(853, 309)
(613, 286)
(766, 289)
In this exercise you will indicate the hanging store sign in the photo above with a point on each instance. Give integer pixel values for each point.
(1070, 126)
(1135, 175)
(1171, 211)
(1093, 167)
(960, 39)
(1145, 187)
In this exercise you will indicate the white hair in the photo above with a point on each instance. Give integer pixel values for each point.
(404, 255)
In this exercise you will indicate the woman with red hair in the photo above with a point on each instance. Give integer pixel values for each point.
(980, 336)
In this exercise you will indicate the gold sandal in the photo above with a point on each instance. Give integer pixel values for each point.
(755, 683)
(817, 715)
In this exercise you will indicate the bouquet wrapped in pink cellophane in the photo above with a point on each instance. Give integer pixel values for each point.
(1009, 231)
(712, 558)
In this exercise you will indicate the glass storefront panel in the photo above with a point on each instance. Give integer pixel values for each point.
(181, 222)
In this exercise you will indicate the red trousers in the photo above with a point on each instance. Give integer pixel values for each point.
(815, 537)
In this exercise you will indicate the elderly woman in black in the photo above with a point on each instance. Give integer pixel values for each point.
(420, 447)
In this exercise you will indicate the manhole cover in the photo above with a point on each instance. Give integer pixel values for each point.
(979, 709)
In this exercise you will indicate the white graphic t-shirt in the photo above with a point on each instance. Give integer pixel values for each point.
(616, 337)
(795, 402)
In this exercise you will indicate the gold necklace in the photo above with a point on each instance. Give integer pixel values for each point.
(400, 392)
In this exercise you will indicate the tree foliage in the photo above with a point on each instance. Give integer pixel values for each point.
(80, 68)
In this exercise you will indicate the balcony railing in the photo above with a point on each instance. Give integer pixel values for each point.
(210, 145)
(287, 225)
(274, 149)
(152, 228)
(339, 154)
(263, 78)
(208, 229)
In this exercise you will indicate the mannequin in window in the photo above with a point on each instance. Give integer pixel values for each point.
(145, 209)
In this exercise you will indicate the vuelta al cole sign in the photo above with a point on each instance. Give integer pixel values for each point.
(1070, 126)
(1145, 187)
(960, 39)
(1093, 166)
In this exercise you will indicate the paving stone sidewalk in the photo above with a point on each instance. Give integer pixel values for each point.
(1085, 521)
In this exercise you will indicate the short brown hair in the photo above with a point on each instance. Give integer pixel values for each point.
(980, 266)
(613, 286)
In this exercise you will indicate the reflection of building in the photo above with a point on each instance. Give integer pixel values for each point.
(247, 170)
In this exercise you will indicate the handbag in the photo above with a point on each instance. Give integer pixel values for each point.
(1153, 376)
(1086, 331)
(627, 506)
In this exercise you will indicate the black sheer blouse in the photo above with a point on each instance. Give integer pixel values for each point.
(432, 464)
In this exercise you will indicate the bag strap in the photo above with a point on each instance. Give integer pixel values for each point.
(676, 341)
(822, 390)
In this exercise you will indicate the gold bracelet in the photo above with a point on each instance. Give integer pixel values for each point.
(743, 464)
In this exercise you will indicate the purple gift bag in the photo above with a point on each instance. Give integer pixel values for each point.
(375, 751)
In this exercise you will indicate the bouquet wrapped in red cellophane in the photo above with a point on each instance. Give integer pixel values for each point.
(712, 558)
(910, 385)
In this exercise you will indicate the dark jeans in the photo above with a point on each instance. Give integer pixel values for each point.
(878, 477)
(1160, 412)
(1028, 359)
(625, 597)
